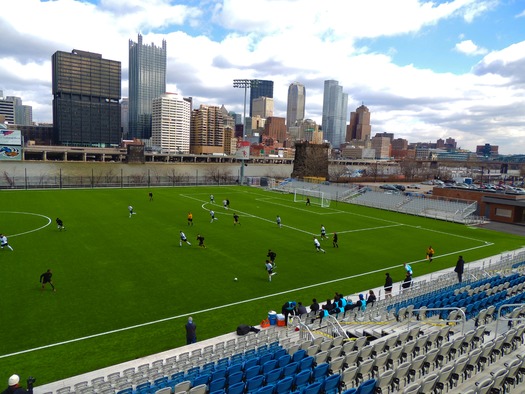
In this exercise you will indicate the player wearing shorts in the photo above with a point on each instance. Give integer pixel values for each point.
(4, 242)
(318, 246)
(46, 278)
(269, 269)
(183, 239)
(190, 219)
(200, 238)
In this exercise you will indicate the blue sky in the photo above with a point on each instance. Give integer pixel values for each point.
(426, 70)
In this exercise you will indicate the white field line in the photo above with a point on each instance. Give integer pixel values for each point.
(30, 231)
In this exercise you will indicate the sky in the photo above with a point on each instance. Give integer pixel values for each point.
(425, 69)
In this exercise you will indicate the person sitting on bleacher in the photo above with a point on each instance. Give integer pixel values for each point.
(408, 281)
(371, 298)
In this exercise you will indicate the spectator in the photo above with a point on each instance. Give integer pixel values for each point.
(361, 303)
(408, 281)
(460, 265)
(388, 286)
(287, 309)
(191, 331)
(315, 305)
(15, 388)
(371, 298)
(328, 306)
(301, 309)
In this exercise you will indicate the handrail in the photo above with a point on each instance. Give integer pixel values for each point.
(503, 318)
(304, 331)
(336, 326)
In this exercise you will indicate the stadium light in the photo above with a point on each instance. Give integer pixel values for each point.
(244, 84)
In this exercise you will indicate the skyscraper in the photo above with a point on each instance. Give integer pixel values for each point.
(147, 80)
(359, 127)
(86, 95)
(171, 123)
(206, 131)
(262, 107)
(335, 104)
(259, 89)
(296, 103)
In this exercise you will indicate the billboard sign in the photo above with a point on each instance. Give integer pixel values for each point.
(10, 152)
(243, 150)
(10, 137)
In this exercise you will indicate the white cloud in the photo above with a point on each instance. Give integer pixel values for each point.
(213, 42)
(469, 48)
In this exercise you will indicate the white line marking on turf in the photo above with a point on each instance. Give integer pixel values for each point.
(29, 213)
(219, 307)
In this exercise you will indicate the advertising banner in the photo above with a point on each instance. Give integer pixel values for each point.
(243, 150)
(10, 137)
(10, 152)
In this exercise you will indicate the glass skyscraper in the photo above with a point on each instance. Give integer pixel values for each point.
(86, 95)
(260, 88)
(335, 104)
(147, 80)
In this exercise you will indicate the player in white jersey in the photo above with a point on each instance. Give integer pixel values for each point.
(3, 242)
(212, 215)
(183, 239)
(130, 209)
(318, 246)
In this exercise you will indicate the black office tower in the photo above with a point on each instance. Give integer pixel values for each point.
(86, 95)
(260, 88)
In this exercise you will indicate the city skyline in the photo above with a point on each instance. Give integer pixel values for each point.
(450, 69)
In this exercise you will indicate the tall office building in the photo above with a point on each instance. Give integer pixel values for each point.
(147, 80)
(171, 123)
(359, 127)
(260, 88)
(335, 104)
(262, 107)
(124, 117)
(7, 110)
(296, 103)
(86, 95)
(206, 130)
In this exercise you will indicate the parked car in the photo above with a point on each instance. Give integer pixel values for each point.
(400, 187)
(389, 187)
(413, 186)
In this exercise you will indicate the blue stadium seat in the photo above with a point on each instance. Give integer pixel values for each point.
(234, 368)
(284, 360)
(201, 379)
(284, 386)
(217, 384)
(273, 376)
(367, 387)
(254, 384)
(234, 378)
(290, 369)
(302, 379)
(268, 366)
(306, 363)
(250, 363)
(251, 372)
(237, 388)
(331, 384)
(268, 389)
(320, 372)
(264, 358)
(299, 355)
(314, 388)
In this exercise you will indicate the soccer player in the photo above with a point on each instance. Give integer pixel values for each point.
(323, 232)
(334, 241)
(183, 239)
(318, 246)
(200, 238)
(46, 278)
(430, 254)
(271, 256)
(190, 219)
(269, 269)
(150, 194)
(3, 242)
(212, 215)
(60, 224)
(278, 220)
(307, 201)
(225, 204)
(130, 209)
(212, 199)
(236, 219)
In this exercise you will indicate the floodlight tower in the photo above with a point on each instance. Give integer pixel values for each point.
(244, 84)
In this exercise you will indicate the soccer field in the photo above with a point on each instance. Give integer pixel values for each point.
(125, 287)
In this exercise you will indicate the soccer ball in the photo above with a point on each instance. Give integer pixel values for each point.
(235, 279)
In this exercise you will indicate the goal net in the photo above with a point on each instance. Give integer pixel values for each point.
(316, 197)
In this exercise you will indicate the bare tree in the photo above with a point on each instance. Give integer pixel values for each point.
(409, 168)
(217, 175)
(9, 179)
(337, 172)
(311, 160)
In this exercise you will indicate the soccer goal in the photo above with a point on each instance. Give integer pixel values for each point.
(316, 197)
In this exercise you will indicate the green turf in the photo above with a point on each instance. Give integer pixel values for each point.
(113, 272)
